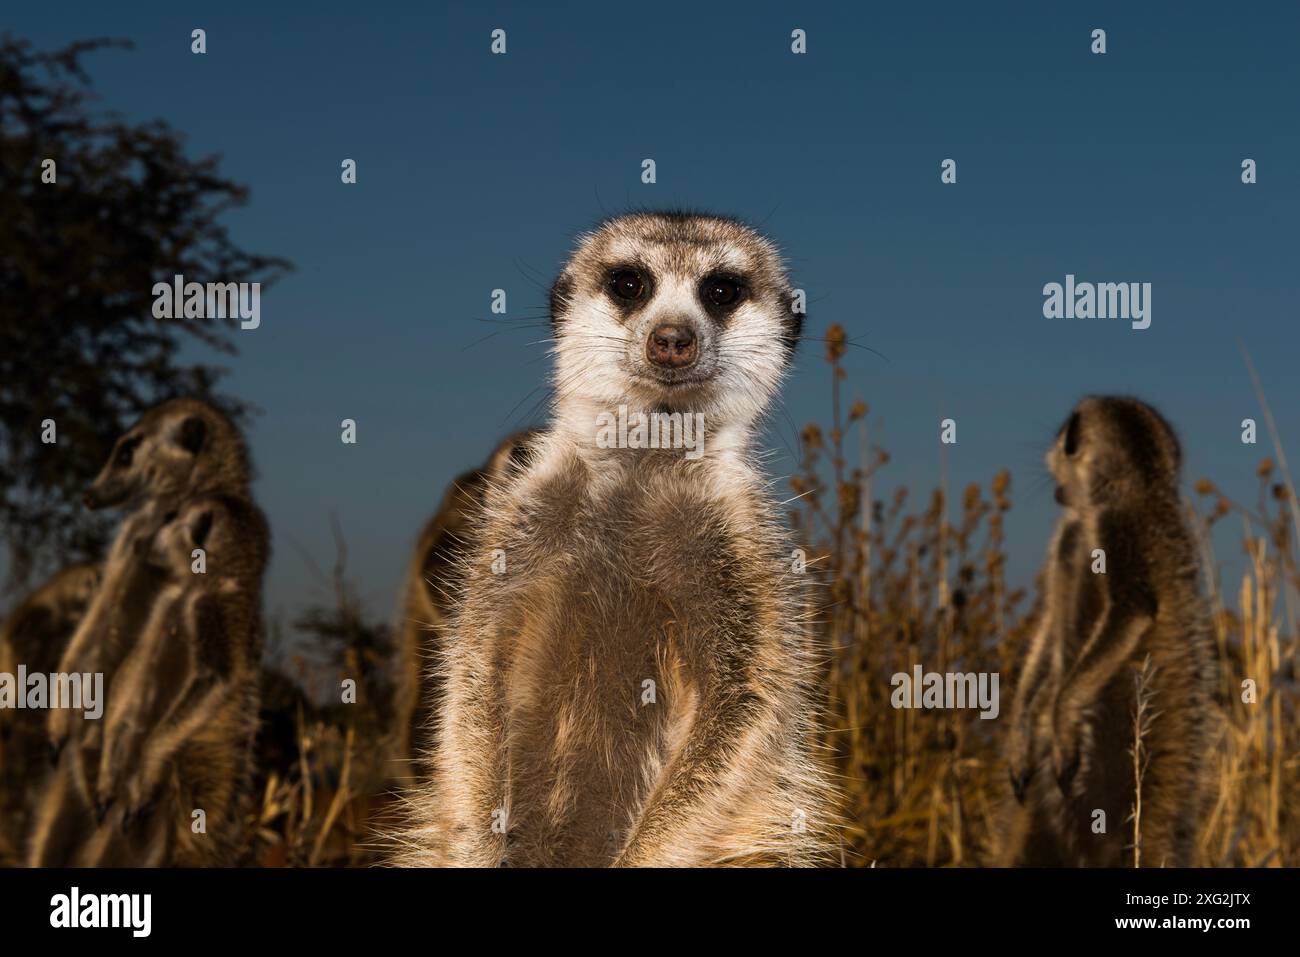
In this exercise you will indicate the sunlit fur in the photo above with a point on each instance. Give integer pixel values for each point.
(1116, 462)
(178, 449)
(600, 361)
(427, 597)
(624, 566)
(179, 728)
(34, 635)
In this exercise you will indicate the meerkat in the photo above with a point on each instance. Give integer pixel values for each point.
(1116, 461)
(180, 725)
(180, 448)
(34, 636)
(427, 595)
(629, 676)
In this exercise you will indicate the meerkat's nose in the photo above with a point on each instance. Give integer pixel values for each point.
(670, 346)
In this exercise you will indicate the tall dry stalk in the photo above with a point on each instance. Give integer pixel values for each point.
(1143, 717)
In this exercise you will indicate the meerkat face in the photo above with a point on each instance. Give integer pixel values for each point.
(172, 547)
(83, 582)
(156, 458)
(1111, 448)
(673, 312)
(206, 524)
(232, 533)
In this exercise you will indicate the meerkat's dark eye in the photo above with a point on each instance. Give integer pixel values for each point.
(627, 284)
(201, 528)
(125, 452)
(1072, 435)
(723, 291)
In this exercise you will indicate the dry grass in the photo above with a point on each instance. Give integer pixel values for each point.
(912, 585)
(312, 808)
(325, 781)
(902, 584)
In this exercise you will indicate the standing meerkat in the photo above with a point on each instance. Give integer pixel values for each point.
(630, 676)
(180, 448)
(428, 592)
(34, 636)
(1116, 462)
(181, 720)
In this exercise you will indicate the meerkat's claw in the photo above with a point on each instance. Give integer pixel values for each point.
(1020, 784)
(1066, 776)
(136, 811)
(1065, 764)
(102, 807)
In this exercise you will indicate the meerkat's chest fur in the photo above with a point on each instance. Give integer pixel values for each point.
(1148, 568)
(1110, 557)
(617, 611)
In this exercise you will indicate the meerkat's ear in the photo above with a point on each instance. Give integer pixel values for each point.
(793, 331)
(199, 530)
(1072, 434)
(561, 290)
(519, 454)
(192, 434)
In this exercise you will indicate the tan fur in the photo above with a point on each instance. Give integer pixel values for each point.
(34, 635)
(160, 473)
(179, 449)
(1117, 463)
(627, 565)
(183, 714)
(427, 594)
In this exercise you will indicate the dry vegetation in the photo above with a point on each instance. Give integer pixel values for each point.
(901, 585)
(326, 786)
(907, 586)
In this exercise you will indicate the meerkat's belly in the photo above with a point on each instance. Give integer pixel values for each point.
(601, 688)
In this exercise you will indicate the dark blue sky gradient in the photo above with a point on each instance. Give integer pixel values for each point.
(475, 172)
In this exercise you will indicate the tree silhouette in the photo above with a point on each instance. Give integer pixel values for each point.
(78, 259)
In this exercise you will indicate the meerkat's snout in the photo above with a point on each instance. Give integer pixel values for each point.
(672, 346)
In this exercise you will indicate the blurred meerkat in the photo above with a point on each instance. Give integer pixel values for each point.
(34, 635)
(180, 724)
(180, 448)
(629, 679)
(428, 592)
(1116, 461)
(177, 449)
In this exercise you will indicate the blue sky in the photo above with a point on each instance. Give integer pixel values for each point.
(476, 171)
